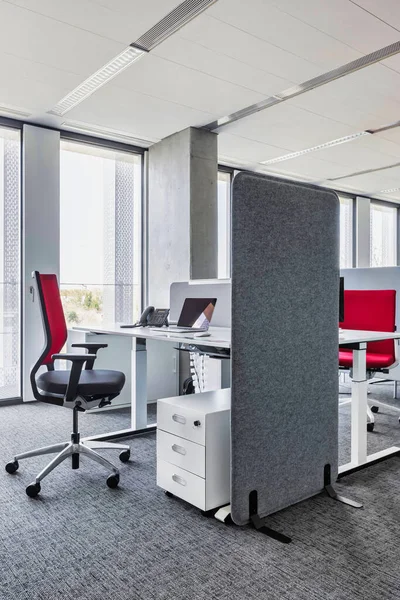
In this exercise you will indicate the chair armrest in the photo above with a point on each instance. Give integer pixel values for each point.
(77, 363)
(73, 357)
(91, 347)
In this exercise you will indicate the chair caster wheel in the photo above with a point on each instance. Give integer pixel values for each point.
(33, 489)
(370, 426)
(124, 456)
(113, 481)
(12, 467)
(375, 409)
(168, 494)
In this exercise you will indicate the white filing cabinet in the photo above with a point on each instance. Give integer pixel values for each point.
(193, 448)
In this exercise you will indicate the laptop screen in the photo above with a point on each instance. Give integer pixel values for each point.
(197, 312)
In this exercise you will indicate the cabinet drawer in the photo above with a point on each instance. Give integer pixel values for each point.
(181, 421)
(181, 483)
(181, 452)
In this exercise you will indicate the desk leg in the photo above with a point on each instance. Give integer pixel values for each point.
(359, 390)
(139, 384)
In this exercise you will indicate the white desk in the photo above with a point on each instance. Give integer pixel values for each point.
(357, 340)
(221, 338)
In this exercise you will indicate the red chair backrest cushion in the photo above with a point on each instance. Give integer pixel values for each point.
(53, 315)
(371, 310)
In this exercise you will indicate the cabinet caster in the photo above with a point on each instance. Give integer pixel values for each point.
(124, 456)
(168, 494)
(33, 490)
(370, 426)
(375, 409)
(12, 467)
(113, 481)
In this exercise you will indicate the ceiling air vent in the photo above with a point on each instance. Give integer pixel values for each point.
(174, 20)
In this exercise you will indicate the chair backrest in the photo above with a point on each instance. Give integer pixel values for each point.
(55, 328)
(371, 310)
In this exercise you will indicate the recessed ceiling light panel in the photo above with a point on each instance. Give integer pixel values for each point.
(342, 140)
(97, 80)
(390, 190)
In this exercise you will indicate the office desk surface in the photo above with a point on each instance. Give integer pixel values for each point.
(220, 336)
(353, 336)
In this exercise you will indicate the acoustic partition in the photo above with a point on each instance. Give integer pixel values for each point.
(285, 306)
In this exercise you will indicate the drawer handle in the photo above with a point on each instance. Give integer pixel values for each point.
(179, 419)
(178, 449)
(179, 480)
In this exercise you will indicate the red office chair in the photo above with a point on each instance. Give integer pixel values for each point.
(76, 389)
(371, 310)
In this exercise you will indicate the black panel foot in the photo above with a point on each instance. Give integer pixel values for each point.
(259, 523)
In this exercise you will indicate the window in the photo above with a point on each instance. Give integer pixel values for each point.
(224, 225)
(10, 264)
(100, 234)
(383, 235)
(346, 232)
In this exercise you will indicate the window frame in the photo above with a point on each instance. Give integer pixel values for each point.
(108, 144)
(231, 172)
(397, 228)
(6, 123)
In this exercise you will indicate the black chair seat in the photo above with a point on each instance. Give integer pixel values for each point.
(94, 382)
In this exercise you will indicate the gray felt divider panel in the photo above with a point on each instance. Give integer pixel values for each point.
(285, 296)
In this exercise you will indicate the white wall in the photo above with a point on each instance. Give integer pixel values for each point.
(41, 231)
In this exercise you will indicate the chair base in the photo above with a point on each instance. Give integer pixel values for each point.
(75, 450)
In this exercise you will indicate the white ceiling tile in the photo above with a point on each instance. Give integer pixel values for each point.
(366, 99)
(137, 114)
(386, 10)
(164, 79)
(121, 21)
(374, 182)
(196, 56)
(28, 35)
(34, 85)
(287, 126)
(248, 49)
(266, 22)
(244, 149)
(309, 167)
(343, 20)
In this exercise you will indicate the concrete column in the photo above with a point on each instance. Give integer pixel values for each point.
(363, 240)
(182, 211)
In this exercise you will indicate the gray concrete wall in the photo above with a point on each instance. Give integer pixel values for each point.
(182, 211)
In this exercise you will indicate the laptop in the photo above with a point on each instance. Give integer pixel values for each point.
(196, 315)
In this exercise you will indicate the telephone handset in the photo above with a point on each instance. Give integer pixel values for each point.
(154, 317)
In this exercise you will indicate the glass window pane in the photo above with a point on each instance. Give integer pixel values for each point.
(100, 234)
(383, 235)
(224, 225)
(346, 232)
(10, 266)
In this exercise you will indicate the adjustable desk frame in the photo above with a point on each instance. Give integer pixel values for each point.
(220, 338)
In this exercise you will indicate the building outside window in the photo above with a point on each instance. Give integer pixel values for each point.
(346, 232)
(100, 234)
(10, 264)
(383, 235)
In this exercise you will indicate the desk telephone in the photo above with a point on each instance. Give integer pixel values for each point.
(151, 317)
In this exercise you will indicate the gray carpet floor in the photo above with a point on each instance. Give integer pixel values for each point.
(79, 539)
